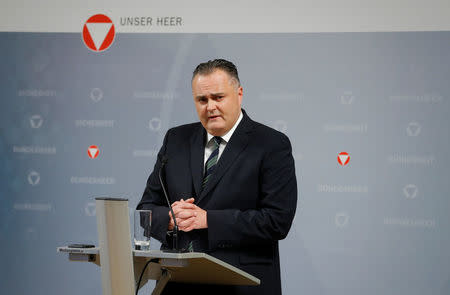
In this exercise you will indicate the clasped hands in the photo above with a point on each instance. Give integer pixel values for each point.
(188, 215)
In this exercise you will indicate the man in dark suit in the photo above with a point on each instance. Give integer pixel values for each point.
(231, 182)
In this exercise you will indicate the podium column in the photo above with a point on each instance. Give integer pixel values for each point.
(116, 257)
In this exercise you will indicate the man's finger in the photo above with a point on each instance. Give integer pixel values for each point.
(185, 222)
(182, 223)
(175, 204)
(185, 214)
(186, 205)
(189, 228)
(177, 210)
(171, 222)
(181, 202)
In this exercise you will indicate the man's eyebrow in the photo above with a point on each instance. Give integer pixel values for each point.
(200, 96)
(210, 94)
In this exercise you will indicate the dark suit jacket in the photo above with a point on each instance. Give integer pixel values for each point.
(250, 200)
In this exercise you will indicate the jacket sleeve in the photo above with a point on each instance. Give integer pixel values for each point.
(153, 199)
(272, 219)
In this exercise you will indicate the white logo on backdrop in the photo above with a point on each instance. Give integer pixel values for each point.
(36, 121)
(39, 150)
(346, 128)
(154, 95)
(409, 222)
(89, 209)
(339, 188)
(410, 191)
(96, 94)
(94, 123)
(34, 178)
(280, 125)
(341, 219)
(31, 234)
(413, 129)
(92, 180)
(347, 97)
(154, 124)
(40, 62)
(425, 98)
(42, 207)
(37, 92)
(406, 159)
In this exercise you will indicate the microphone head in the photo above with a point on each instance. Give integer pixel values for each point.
(164, 159)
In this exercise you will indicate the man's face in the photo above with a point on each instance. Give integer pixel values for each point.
(217, 100)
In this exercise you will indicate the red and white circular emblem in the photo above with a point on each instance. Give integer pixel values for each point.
(343, 158)
(98, 32)
(93, 151)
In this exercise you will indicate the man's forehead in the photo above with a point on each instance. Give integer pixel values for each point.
(209, 83)
(208, 91)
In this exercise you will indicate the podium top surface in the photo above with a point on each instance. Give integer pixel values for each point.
(187, 267)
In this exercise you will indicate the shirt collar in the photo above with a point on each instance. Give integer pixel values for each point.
(227, 136)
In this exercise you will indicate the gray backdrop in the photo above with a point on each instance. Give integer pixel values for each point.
(378, 225)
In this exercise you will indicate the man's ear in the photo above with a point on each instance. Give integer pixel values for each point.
(240, 94)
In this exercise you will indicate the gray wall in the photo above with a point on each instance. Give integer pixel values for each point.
(378, 225)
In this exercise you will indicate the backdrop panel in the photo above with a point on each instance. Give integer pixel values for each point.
(377, 225)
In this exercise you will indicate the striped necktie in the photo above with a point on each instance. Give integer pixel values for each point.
(212, 160)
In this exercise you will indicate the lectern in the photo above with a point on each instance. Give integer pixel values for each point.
(121, 266)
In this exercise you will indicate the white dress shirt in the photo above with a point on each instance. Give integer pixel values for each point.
(209, 145)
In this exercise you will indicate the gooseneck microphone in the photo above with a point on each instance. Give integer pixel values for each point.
(164, 160)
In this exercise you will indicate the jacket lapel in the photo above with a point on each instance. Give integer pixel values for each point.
(197, 154)
(238, 142)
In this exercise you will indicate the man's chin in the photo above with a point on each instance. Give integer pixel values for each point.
(215, 130)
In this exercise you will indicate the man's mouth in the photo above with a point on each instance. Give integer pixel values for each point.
(213, 117)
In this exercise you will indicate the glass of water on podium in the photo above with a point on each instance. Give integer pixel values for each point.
(142, 226)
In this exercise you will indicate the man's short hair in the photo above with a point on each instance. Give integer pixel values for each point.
(210, 66)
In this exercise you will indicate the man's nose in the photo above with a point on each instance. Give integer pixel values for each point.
(211, 105)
